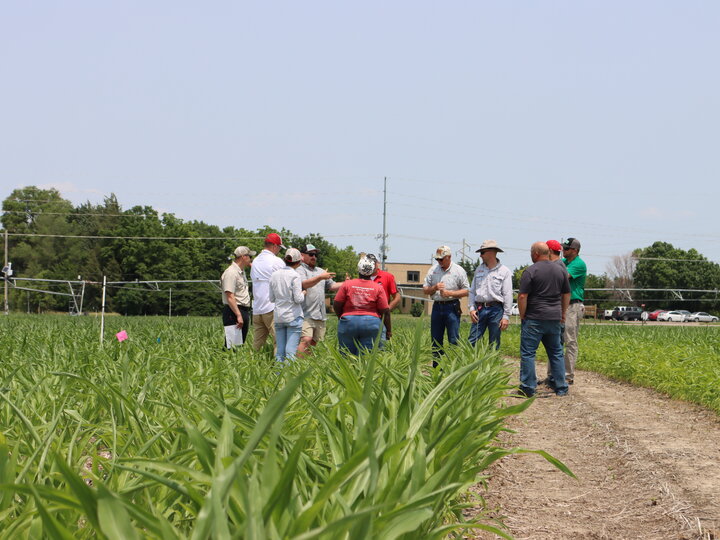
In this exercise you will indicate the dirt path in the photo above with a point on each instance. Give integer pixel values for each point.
(646, 466)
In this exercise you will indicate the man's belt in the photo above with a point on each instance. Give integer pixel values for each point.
(576, 301)
(243, 308)
(488, 304)
(446, 301)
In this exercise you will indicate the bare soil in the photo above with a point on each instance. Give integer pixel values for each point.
(647, 467)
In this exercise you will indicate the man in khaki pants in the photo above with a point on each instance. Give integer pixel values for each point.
(577, 270)
(263, 267)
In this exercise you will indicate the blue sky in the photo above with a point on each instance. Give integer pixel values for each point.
(518, 121)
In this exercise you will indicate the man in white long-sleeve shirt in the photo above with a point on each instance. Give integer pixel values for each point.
(264, 266)
(287, 294)
(490, 296)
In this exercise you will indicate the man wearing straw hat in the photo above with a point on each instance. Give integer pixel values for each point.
(490, 296)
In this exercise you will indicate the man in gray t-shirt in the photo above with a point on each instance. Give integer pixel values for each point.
(316, 282)
(543, 300)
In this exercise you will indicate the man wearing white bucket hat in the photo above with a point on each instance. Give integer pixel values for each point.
(490, 296)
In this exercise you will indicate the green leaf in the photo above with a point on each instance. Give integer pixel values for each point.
(113, 516)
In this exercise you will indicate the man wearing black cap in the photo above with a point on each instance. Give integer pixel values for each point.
(577, 271)
(317, 282)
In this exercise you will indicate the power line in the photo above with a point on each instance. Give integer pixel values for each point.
(98, 237)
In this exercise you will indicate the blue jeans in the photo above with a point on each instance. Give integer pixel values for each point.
(488, 318)
(287, 339)
(532, 333)
(444, 317)
(357, 332)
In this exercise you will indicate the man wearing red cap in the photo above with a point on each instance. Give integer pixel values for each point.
(265, 264)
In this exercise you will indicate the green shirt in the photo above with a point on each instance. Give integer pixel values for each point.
(577, 269)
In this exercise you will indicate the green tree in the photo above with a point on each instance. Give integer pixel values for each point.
(663, 266)
(36, 218)
(469, 266)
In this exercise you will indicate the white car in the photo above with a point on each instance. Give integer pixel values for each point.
(674, 316)
(514, 310)
(701, 316)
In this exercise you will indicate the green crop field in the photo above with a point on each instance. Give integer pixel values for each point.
(165, 435)
(681, 361)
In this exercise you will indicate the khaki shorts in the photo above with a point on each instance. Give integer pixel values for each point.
(313, 329)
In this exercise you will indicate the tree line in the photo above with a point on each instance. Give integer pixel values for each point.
(174, 249)
(31, 212)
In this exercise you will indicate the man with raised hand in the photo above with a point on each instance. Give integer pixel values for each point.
(577, 270)
(490, 296)
(543, 302)
(236, 298)
(446, 284)
(266, 263)
(317, 283)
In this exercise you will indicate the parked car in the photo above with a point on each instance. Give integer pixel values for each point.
(653, 315)
(674, 316)
(514, 310)
(701, 316)
(610, 314)
(627, 314)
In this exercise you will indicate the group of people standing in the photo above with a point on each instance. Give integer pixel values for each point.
(289, 303)
(550, 304)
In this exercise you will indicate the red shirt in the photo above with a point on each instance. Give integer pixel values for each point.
(387, 280)
(362, 297)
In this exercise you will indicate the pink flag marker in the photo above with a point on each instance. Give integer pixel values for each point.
(121, 335)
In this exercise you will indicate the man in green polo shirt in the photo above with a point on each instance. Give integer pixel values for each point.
(577, 271)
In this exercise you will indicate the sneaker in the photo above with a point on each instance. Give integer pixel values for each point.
(569, 380)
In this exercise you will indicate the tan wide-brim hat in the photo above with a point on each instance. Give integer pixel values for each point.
(489, 244)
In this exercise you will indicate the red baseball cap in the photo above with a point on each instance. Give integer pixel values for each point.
(275, 239)
(554, 245)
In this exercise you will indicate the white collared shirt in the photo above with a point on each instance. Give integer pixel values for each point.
(264, 266)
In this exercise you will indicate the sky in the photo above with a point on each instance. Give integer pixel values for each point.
(513, 121)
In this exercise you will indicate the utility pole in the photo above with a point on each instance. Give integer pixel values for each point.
(383, 247)
(463, 256)
(7, 311)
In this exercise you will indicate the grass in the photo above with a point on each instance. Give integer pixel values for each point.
(680, 361)
(168, 436)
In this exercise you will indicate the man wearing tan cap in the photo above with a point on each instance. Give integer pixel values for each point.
(446, 283)
(490, 297)
(236, 298)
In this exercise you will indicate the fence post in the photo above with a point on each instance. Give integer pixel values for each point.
(102, 311)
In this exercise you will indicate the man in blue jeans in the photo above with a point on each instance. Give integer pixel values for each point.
(543, 302)
(490, 296)
(446, 283)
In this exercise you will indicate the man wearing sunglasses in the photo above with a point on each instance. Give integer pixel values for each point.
(316, 282)
(577, 271)
(490, 296)
(446, 284)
